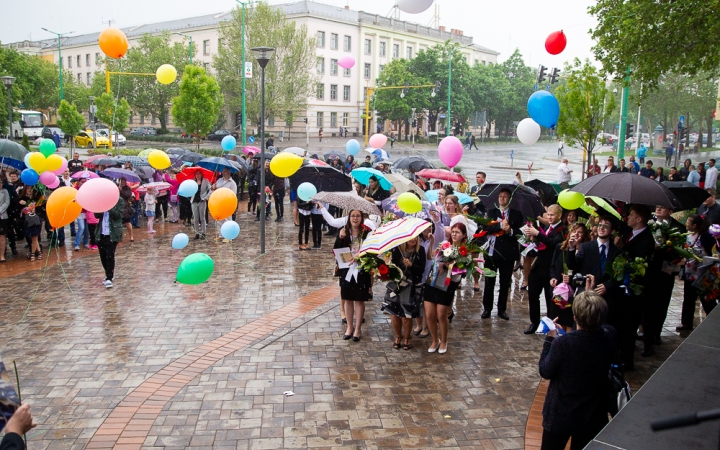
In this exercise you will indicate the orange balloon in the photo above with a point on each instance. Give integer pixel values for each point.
(61, 207)
(222, 203)
(113, 43)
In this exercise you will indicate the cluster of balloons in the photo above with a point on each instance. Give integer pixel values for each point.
(409, 203)
(571, 200)
(228, 143)
(158, 159)
(44, 166)
(285, 164)
(544, 110)
(66, 203)
(450, 151)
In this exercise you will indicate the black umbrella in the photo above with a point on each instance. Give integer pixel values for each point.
(522, 198)
(176, 151)
(334, 155)
(108, 162)
(268, 156)
(689, 195)
(324, 178)
(547, 193)
(628, 188)
(417, 163)
(192, 157)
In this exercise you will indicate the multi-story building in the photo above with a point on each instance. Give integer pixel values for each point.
(371, 39)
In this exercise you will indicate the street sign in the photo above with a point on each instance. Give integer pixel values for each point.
(248, 69)
(251, 139)
(682, 119)
(442, 116)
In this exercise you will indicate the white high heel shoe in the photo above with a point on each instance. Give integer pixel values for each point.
(433, 350)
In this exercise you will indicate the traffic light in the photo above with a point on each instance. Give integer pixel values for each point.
(405, 89)
(629, 131)
(554, 75)
(542, 74)
(436, 89)
(306, 120)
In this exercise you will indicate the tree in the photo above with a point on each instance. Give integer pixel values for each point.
(115, 113)
(489, 90)
(70, 121)
(585, 103)
(290, 75)
(388, 103)
(199, 102)
(522, 80)
(652, 38)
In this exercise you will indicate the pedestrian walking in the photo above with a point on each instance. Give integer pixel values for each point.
(320, 132)
(108, 234)
(473, 142)
(561, 146)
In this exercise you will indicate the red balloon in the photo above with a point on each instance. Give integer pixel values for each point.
(556, 42)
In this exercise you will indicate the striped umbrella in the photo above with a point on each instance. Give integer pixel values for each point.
(393, 234)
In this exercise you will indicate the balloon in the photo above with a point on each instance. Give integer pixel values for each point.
(528, 131)
(544, 108)
(26, 159)
(113, 43)
(188, 188)
(414, 6)
(37, 162)
(166, 74)
(306, 191)
(54, 184)
(409, 203)
(54, 162)
(571, 200)
(450, 151)
(195, 269)
(228, 143)
(47, 147)
(63, 166)
(158, 159)
(47, 178)
(346, 62)
(285, 164)
(29, 177)
(230, 230)
(352, 147)
(377, 140)
(61, 207)
(180, 241)
(556, 42)
(222, 203)
(98, 195)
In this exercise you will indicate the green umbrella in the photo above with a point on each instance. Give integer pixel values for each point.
(145, 153)
(11, 149)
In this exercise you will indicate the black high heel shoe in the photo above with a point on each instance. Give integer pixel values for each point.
(347, 337)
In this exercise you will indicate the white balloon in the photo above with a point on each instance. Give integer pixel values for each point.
(414, 6)
(528, 131)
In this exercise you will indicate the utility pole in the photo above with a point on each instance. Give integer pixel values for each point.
(623, 116)
(447, 116)
(242, 56)
(412, 124)
(60, 60)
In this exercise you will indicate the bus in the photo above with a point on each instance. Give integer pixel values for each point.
(30, 124)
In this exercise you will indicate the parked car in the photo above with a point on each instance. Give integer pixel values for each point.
(218, 135)
(118, 138)
(144, 131)
(85, 139)
(48, 131)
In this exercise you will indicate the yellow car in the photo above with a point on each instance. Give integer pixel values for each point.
(85, 139)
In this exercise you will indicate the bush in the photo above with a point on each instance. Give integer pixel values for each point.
(163, 138)
(25, 142)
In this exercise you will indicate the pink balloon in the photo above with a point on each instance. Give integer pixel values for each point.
(47, 178)
(450, 151)
(98, 195)
(54, 184)
(346, 62)
(377, 140)
(62, 168)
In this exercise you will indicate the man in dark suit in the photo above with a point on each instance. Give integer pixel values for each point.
(592, 258)
(503, 253)
(539, 279)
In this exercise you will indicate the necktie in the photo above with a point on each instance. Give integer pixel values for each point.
(603, 258)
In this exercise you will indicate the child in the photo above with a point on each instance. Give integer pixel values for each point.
(150, 203)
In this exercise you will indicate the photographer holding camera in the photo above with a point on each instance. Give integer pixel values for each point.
(592, 258)
(577, 235)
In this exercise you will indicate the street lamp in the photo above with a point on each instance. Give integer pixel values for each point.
(262, 55)
(191, 44)
(92, 119)
(60, 61)
(8, 81)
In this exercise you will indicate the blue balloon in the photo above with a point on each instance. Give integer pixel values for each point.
(188, 188)
(230, 230)
(544, 108)
(306, 191)
(228, 143)
(180, 241)
(29, 177)
(352, 147)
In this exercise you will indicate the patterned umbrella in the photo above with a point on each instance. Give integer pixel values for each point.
(363, 175)
(86, 174)
(347, 201)
(158, 185)
(379, 153)
(116, 173)
(441, 174)
(136, 161)
(393, 234)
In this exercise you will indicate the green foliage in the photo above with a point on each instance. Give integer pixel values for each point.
(289, 77)
(70, 120)
(489, 89)
(75, 92)
(25, 142)
(521, 79)
(199, 102)
(114, 113)
(387, 102)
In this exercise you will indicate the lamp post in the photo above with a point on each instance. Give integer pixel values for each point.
(8, 81)
(412, 126)
(60, 61)
(191, 44)
(623, 115)
(262, 55)
(92, 120)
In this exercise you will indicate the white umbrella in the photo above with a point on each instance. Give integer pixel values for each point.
(295, 151)
(402, 184)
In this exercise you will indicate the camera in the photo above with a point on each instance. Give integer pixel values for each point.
(578, 280)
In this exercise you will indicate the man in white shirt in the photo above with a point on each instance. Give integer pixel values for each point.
(564, 174)
(227, 182)
(561, 146)
(711, 175)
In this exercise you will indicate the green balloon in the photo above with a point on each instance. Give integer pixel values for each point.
(195, 269)
(47, 147)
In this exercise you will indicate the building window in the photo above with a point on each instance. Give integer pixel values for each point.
(346, 93)
(152, 119)
(382, 67)
(97, 59)
(206, 47)
(320, 91)
(142, 120)
(334, 41)
(383, 49)
(87, 59)
(130, 119)
(69, 62)
(271, 120)
(333, 92)
(367, 71)
(89, 78)
(321, 65)
(368, 46)
(78, 61)
(365, 94)
(319, 120)
(321, 39)
(347, 44)
(408, 53)
(465, 59)
(396, 50)
(333, 66)
(345, 119)
(333, 119)
(79, 77)
(346, 72)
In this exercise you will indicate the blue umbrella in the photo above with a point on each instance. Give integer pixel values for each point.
(380, 153)
(12, 154)
(216, 164)
(11, 162)
(462, 198)
(363, 175)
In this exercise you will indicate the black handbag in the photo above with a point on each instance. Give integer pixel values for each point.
(32, 220)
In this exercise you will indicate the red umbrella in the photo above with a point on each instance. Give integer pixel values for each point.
(89, 162)
(441, 174)
(189, 174)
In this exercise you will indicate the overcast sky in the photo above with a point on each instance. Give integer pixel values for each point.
(501, 25)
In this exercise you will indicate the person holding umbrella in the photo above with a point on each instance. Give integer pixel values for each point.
(128, 210)
(108, 234)
(375, 193)
(253, 180)
(269, 183)
(199, 204)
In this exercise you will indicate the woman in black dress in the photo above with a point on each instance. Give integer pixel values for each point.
(410, 258)
(354, 290)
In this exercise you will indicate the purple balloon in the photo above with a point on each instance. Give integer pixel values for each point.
(450, 151)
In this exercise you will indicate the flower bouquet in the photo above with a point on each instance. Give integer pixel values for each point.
(379, 266)
(562, 295)
(629, 273)
(459, 260)
(669, 239)
(714, 231)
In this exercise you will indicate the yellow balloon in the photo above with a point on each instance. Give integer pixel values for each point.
(38, 162)
(166, 74)
(409, 203)
(53, 162)
(284, 165)
(158, 159)
(570, 199)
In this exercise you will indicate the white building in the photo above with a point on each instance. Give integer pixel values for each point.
(372, 40)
